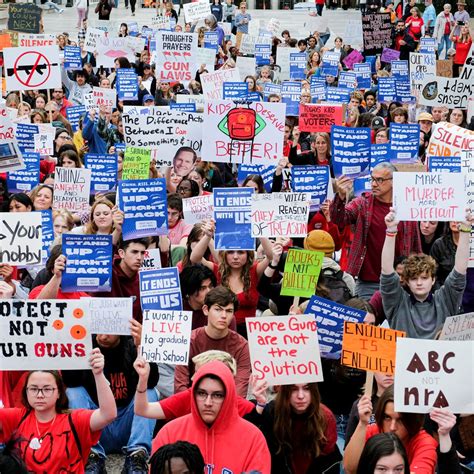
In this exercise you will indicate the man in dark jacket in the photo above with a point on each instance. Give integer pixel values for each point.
(402, 41)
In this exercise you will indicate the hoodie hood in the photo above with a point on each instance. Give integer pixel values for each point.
(229, 405)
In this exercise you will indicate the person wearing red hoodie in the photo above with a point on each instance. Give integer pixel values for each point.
(227, 442)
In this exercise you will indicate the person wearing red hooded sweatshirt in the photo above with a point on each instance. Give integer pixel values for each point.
(227, 442)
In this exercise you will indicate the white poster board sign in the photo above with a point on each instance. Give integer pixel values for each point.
(92, 36)
(111, 315)
(72, 189)
(196, 11)
(284, 350)
(429, 196)
(166, 336)
(434, 374)
(458, 328)
(199, 208)
(212, 82)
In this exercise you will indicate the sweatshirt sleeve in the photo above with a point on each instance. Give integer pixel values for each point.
(452, 290)
(258, 459)
(392, 293)
(243, 369)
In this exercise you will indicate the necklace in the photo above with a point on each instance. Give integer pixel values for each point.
(35, 442)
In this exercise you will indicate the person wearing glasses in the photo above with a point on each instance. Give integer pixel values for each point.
(227, 442)
(367, 214)
(49, 437)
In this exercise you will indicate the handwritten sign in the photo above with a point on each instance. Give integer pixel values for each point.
(196, 11)
(429, 196)
(370, 348)
(166, 336)
(136, 163)
(433, 374)
(302, 268)
(213, 81)
(284, 349)
(58, 337)
(152, 260)
(376, 33)
(72, 189)
(25, 17)
(458, 328)
(280, 215)
(319, 118)
(442, 91)
(448, 139)
(199, 208)
(111, 315)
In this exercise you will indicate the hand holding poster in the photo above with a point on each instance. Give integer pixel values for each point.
(280, 215)
(284, 349)
(57, 338)
(370, 348)
(319, 118)
(72, 189)
(160, 289)
(89, 263)
(429, 196)
(313, 179)
(434, 374)
(302, 268)
(166, 336)
(111, 315)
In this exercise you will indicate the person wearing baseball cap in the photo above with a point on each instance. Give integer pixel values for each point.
(461, 17)
(426, 122)
(148, 100)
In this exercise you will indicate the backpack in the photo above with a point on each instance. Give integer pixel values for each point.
(338, 289)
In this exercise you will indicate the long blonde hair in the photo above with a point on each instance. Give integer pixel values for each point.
(225, 270)
(91, 226)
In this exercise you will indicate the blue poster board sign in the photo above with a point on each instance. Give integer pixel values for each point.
(350, 151)
(160, 289)
(25, 180)
(127, 84)
(291, 95)
(72, 58)
(313, 179)
(404, 142)
(104, 171)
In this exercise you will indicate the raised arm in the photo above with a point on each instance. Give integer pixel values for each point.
(142, 406)
(107, 411)
(463, 250)
(388, 251)
(50, 290)
(197, 254)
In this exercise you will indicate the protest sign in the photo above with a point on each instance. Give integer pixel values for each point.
(160, 289)
(164, 132)
(5, 41)
(232, 216)
(444, 67)
(196, 11)
(330, 63)
(280, 215)
(72, 58)
(175, 56)
(127, 84)
(364, 75)
(389, 55)
(458, 328)
(73, 114)
(404, 142)
(91, 39)
(47, 233)
(199, 208)
(284, 349)
(89, 263)
(25, 135)
(31, 40)
(350, 150)
(270, 88)
(298, 63)
(352, 58)
(246, 66)
(105, 99)
(166, 336)
(152, 260)
(20, 238)
(251, 133)
(235, 90)
(466, 161)
(291, 96)
(428, 45)
(283, 60)
(313, 179)
(376, 33)
(262, 54)
(447, 92)
(448, 139)
(302, 268)
(110, 315)
(362, 185)
(317, 89)
(108, 48)
(211, 40)
(212, 82)
(144, 205)
(103, 172)
(25, 17)
(467, 72)
(136, 163)
(433, 374)
(380, 152)
(370, 348)
(437, 164)
(347, 79)
(183, 107)
(353, 33)
(400, 69)
(57, 337)
(330, 317)
(337, 95)
(205, 56)
(248, 43)
(403, 92)
(386, 89)
(44, 143)
(429, 196)
(27, 69)
(25, 180)
(319, 118)
(72, 189)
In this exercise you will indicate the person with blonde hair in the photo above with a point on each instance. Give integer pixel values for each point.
(63, 221)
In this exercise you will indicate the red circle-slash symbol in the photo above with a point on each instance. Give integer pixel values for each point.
(34, 78)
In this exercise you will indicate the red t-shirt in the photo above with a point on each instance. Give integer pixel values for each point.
(58, 451)
(421, 450)
(462, 50)
(447, 26)
(74, 295)
(415, 26)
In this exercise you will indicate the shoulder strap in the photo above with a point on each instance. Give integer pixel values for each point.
(74, 433)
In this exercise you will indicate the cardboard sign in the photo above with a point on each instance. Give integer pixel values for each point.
(196, 11)
(330, 318)
(302, 268)
(429, 196)
(25, 180)
(284, 349)
(449, 140)
(72, 189)
(160, 289)
(89, 263)
(444, 67)
(166, 336)
(280, 215)
(232, 216)
(20, 238)
(433, 374)
(199, 208)
(56, 338)
(136, 163)
(25, 17)
(27, 69)
(104, 172)
(319, 118)
(376, 33)
(370, 348)
(111, 315)
(212, 82)
(145, 208)
(458, 328)
(446, 91)
(250, 133)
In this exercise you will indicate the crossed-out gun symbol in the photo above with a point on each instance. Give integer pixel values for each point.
(28, 69)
